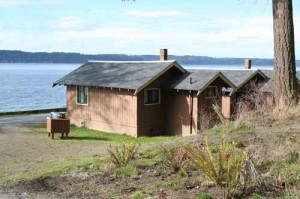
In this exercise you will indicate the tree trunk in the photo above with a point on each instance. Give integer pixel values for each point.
(285, 82)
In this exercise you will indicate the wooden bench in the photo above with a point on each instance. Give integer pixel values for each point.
(58, 125)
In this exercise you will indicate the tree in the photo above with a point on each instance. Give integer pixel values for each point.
(285, 81)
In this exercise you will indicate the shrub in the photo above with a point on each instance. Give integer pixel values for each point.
(175, 158)
(223, 168)
(121, 157)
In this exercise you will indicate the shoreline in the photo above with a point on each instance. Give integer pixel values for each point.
(33, 111)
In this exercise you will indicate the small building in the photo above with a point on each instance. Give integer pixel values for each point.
(147, 98)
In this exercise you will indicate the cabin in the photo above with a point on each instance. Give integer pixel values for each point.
(148, 98)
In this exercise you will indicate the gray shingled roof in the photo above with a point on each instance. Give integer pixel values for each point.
(269, 73)
(135, 75)
(200, 78)
(269, 85)
(239, 77)
(127, 75)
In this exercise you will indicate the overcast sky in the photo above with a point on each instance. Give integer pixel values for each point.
(218, 28)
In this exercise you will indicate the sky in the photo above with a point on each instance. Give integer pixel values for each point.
(217, 28)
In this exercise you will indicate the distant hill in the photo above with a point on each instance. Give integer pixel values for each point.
(13, 56)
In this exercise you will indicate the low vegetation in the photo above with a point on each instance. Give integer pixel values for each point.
(256, 156)
(121, 157)
(223, 167)
(174, 157)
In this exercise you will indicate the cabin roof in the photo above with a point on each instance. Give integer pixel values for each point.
(197, 80)
(126, 75)
(240, 77)
(137, 75)
(200, 77)
(269, 85)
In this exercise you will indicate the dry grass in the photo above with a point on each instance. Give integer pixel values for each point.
(284, 113)
(273, 164)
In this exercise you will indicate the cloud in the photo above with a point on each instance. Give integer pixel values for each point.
(153, 13)
(227, 37)
(126, 34)
(71, 23)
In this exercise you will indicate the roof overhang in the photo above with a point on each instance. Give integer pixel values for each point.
(172, 64)
(220, 75)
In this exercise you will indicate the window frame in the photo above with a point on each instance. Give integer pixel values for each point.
(211, 97)
(87, 96)
(152, 89)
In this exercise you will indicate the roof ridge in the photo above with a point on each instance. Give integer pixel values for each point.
(96, 61)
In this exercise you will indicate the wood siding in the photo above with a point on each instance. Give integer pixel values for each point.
(179, 109)
(107, 110)
(226, 107)
(206, 114)
(120, 111)
(152, 118)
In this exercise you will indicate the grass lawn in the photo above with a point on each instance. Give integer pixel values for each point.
(86, 135)
(30, 154)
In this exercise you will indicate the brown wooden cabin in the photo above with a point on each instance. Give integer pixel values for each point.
(150, 98)
(141, 98)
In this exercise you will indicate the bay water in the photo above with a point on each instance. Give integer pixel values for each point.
(29, 86)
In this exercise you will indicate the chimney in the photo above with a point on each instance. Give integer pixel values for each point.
(247, 64)
(163, 54)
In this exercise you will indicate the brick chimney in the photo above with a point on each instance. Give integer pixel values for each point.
(163, 55)
(247, 64)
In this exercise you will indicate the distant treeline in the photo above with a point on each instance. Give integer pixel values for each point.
(12, 56)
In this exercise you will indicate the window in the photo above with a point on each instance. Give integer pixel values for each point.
(82, 95)
(211, 92)
(152, 96)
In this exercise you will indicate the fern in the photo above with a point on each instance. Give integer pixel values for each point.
(176, 158)
(223, 168)
(121, 157)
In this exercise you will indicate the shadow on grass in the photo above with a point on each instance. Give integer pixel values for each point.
(86, 138)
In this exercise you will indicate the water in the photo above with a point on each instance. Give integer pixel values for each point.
(227, 67)
(29, 86)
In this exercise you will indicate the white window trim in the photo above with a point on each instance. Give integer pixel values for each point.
(87, 101)
(147, 89)
(213, 96)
